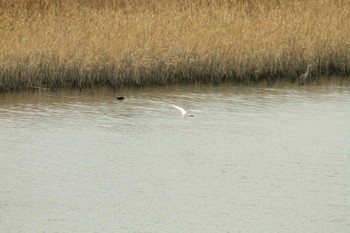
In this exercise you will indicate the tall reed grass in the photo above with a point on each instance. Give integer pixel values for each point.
(154, 42)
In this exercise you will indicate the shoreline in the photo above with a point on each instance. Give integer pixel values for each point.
(329, 80)
(114, 75)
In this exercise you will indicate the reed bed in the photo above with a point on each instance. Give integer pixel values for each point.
(76, 43)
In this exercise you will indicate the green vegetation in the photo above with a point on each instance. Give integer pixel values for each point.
(76, 43)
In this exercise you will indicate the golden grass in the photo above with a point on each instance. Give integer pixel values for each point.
(141, 42)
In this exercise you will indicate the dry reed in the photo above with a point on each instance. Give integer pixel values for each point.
(80, 43)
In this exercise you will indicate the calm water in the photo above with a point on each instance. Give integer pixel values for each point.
(255, 159)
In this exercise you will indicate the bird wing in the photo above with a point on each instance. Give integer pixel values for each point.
(180, 109)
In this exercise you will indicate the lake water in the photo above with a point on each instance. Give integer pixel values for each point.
(255, 159)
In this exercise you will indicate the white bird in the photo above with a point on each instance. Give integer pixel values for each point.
(185, 113)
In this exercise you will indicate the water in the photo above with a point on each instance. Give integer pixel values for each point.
(255, 159)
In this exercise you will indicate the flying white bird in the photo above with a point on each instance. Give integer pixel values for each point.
(185, 113)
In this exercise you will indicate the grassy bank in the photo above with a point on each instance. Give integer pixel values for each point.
(84, 43)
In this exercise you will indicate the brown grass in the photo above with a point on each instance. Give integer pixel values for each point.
(141, 42)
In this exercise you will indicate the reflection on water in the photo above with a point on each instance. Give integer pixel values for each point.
(255, 159)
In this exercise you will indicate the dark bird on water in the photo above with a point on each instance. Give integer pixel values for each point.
(120, 98)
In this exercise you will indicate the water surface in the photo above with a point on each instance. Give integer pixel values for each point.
(255, 159)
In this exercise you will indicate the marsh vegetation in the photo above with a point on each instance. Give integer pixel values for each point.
(156, 42)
